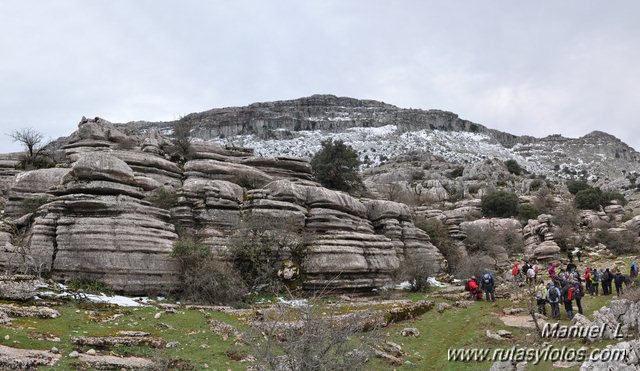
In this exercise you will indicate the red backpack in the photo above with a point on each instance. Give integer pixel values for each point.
(570, 294)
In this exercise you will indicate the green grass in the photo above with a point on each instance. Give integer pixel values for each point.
(188, 327)
(455, 328)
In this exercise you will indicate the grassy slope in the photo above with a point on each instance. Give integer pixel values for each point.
(455, 328)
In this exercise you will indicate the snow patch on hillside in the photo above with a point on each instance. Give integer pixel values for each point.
(376, 145)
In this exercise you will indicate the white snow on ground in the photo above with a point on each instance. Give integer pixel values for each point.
(294, 302)
(434, 282)
(123, 301)
(376, 145)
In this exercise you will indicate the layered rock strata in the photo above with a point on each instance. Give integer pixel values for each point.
(98, 227)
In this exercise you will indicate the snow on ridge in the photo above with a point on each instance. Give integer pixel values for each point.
(376, 145)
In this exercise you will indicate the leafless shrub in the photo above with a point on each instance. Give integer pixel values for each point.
(439, 234)
(308, 338)
(204, 277)
(543, 200)
(37, 153)
(475, 264)
(619, 242)
(566, 215)
(416, 269)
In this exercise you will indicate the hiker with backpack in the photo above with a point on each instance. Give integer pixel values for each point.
(633, 271)
(607, 277)
(595, 281)
(568, 295)
(531, 276)
(578, 295)
(552, 270)
(488, 283)
(474, 288)
(541, 298)
(587, 280)
(553, 297)
(578, 254)
(515, 271)
(618, 280)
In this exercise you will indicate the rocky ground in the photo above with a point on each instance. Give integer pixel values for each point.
(414, 330)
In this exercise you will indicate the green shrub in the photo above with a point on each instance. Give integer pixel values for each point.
(575, 186)
(608, 197)
(526, 212)
(499, 204)
(456, 173)
(589, 199)
(336, 166)
(513, 167)
(262, 247)
(536, 184)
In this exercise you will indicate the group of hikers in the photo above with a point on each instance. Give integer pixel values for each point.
(564, 287)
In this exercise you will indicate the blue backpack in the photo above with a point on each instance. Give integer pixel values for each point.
(486, 279)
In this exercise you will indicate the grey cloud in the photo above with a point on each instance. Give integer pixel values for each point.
(532, 68)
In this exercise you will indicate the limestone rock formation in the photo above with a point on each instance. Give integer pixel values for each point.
(34, 184)
(98, 227)
(538, 239)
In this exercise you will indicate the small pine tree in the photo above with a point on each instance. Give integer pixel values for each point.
(499, 204)
(335, 166)
(513, 167)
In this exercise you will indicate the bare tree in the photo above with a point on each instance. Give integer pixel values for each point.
(35, 148)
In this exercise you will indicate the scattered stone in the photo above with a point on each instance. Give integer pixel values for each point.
(7, 337)
(223, 329)
(172, 344)
(132, 333)
(204, 346)
(113, 362)
(463, 304)
(492, 335)
(441, 307)
(4, 319)
(408, 311)
(19, 287)
(394, 361)
(74, 354)
(14, 358)
(410, 331)
(504, 333)
(55, 350)
(112, 341)
(18, 311)
(512, 311)
(157, 316)
(91, 352)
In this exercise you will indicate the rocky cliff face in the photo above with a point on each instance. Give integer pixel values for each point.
(381, 131)
(93, 222)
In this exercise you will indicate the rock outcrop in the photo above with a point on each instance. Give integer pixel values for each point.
(538, 239)
(35, 185)
(98, 227)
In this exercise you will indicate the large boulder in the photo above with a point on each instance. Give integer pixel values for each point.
(34, 184)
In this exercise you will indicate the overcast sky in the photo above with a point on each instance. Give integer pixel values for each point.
(534, 67)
